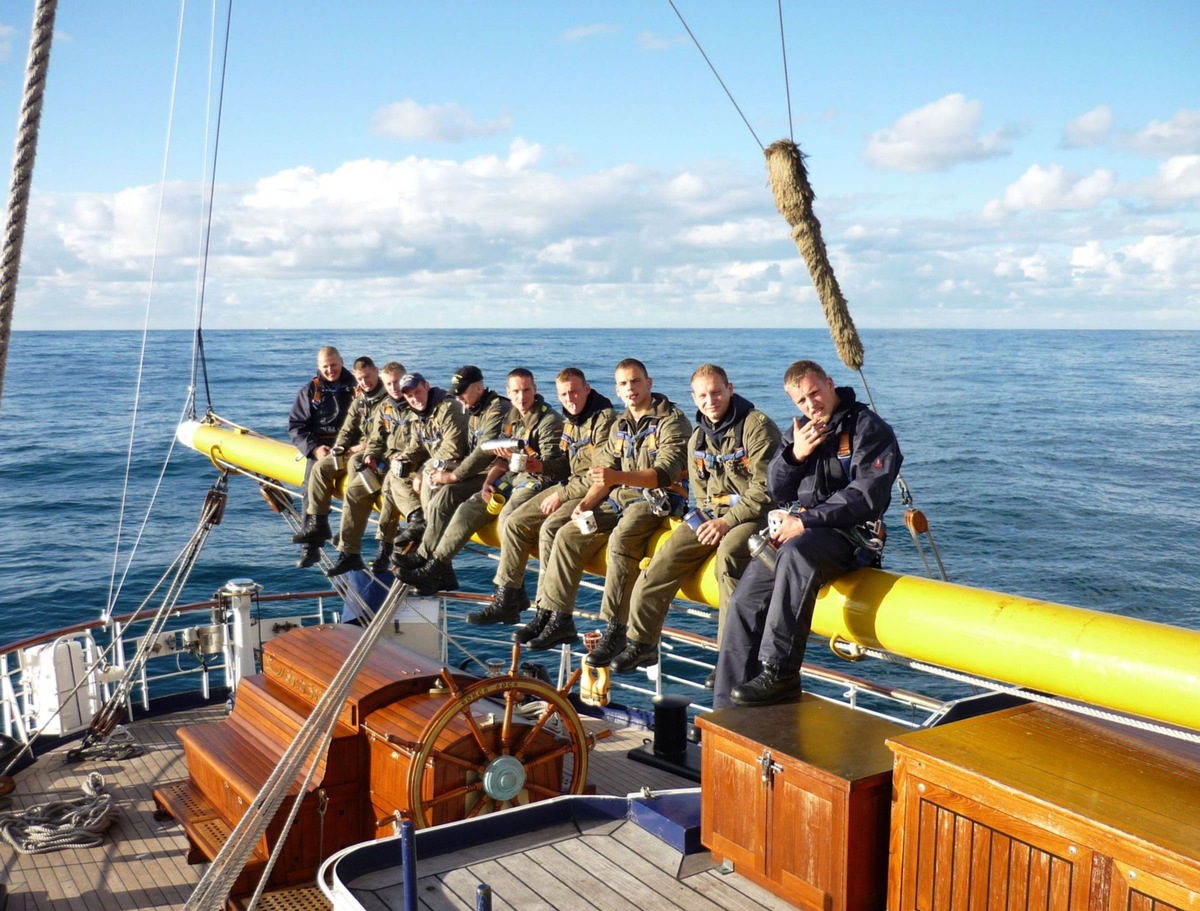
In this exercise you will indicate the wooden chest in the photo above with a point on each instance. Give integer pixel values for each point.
(797, 796)
(1035, 808)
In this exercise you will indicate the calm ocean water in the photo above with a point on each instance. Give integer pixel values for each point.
(1059, 465)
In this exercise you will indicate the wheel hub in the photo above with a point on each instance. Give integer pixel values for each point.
(504, 778)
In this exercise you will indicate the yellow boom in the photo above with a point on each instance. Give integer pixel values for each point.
(1121, 663)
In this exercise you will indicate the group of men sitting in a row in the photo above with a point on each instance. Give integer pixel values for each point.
(449, 461)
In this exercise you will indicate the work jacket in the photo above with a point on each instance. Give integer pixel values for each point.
(583, 435)
(438, 432)
(362, 417)
(728, 463)
(659, 441)
(318, 411)
(847, 481)
(391, 434)
(485, 421)
(540, 432)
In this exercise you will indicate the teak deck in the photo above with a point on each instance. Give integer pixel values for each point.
(142, 862)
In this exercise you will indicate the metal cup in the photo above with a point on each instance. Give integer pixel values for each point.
(660, 505)
(369, 479)
(517, 461)
(586, 521)
(763, 550)
(697, 517)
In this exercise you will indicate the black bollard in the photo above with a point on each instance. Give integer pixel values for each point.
(670, 726)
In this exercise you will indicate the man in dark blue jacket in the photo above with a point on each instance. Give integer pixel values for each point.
(833, 471)
(317, 415)
(321, 405)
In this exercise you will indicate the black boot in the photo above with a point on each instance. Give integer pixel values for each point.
(316, 530)
(405, 560)
(521, 598)
(413, 532)
(612, 640)
(503, 609)
(383, 558)
(431, 577)
(559, 629)
(531, 629)
(306, 524)
(310, 555)
(634, 655)
(773, 685)
(345, 563)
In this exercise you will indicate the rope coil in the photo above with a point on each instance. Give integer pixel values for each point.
(58, 824)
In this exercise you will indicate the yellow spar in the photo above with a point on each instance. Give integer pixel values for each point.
(1121, 663)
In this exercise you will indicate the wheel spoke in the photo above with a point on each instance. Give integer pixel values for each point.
(454, 794)
(549, 756)
(478, 809)
(457, 761)
(531, 734)
(542, 790)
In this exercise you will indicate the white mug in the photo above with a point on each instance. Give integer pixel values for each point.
(586, 521)
(517, 461)
(775, 521)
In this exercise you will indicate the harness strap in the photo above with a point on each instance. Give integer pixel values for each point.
(706, 461)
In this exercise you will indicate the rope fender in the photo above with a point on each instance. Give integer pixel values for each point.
(57, 824)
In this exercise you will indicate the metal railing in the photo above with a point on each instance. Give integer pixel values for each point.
(54, 683)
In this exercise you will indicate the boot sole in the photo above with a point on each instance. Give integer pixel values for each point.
(561, 640)
(507, 619)
(648, 661)
(787, 695)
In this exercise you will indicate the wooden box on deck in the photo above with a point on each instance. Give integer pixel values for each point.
(1036, 808)
(816, 831)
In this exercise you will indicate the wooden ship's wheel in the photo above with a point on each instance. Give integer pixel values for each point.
(507, 762)
(482, 746)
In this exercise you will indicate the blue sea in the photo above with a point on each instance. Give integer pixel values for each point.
(1058, 465)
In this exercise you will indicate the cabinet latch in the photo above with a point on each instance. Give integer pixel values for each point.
(768, 766)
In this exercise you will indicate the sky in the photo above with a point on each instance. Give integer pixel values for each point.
(418, 164)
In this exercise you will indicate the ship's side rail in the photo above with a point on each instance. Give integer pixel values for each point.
(54, 684)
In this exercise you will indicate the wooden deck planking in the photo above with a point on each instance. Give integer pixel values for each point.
(141, 864)
(655, 890)
(616, 866)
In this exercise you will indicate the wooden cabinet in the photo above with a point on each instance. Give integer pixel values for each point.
(797, 797)
(1036, 809)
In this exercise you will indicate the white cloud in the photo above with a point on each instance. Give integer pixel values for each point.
(1155, 264)
(650, 41)
(434, 122)
(1054, 189)
(583, 32)
(1176, 183)
(7, 33)
(1089, 130)
(935, 138)
(1178, 136)
(422, 241)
